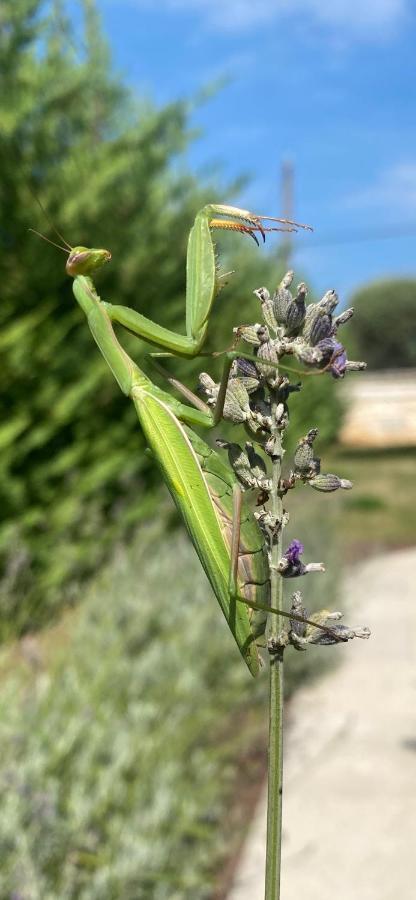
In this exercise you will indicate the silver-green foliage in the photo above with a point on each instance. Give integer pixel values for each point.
(112, 777)
(116, 766)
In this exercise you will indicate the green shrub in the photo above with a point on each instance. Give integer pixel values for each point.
(383, 329)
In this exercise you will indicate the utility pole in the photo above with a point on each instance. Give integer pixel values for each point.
(287, 210)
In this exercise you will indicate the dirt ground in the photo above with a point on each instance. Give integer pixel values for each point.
(350, 758)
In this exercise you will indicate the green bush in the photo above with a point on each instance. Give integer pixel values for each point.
(383, 329)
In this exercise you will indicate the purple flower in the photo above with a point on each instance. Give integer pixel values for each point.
(293, 552)
(291, 565)
(335, 356)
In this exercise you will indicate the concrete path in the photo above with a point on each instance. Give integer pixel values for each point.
(350, 759)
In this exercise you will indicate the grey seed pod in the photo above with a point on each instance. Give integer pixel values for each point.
(339, 633)
(321, 328)
(207, 387)
(237, 403)
(315, 466)
(282, 297)
(355, 366)
(262, 406)
(239, 462)
(250, 384)
(312, 435)
(273, 447)
(245, 368)
(310, 314)
(287, 279)
(297, 607)
(327, 482)
(303, 457)
(314, 310)
(296, 309)
(257, 463)
(263, 294)
(343, 318)
(302, 633)
(237, 456)
(329, 302)
(267, 308)
(304, 460)
(268, 351)
(252, 334)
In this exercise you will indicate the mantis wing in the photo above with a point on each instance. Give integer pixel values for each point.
(189, 489)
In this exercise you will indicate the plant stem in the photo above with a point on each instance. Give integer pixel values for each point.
(275, 747)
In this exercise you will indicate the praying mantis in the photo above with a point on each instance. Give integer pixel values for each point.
(219, 520)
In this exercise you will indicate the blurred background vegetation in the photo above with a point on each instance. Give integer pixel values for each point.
(123, 707)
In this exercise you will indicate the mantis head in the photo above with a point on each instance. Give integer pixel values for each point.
(83, 261)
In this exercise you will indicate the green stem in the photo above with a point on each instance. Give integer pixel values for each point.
(275, 747)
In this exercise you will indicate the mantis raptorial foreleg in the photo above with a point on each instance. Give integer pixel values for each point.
(202, 283)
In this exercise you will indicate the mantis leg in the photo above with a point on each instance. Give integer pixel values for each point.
(235, 540)
(213, 415)
(126, 372)
(202, 280)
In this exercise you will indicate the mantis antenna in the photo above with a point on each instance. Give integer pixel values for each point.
(48, 218)
(44, 238)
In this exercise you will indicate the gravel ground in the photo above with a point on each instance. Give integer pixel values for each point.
(350, 758)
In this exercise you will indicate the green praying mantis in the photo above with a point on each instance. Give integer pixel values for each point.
(217, 516)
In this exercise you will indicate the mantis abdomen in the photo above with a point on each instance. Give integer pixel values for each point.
(190, 470)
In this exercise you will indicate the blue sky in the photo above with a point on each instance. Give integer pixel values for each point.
(331, 85)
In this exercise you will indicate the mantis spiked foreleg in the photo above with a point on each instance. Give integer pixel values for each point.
(202, 281)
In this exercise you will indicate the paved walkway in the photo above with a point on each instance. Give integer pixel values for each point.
(350, 759)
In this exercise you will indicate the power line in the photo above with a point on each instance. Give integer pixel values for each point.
(372, 233)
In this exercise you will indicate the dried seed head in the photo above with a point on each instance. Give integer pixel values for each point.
(329, 301)
(343, 318)
(355, 366)
(315, 310)
(252, 334)
(246, 368)
(304, 459)
(207, 387)
(237, 402)
(296, 309)
(327, 482)
(282, 297)
(257, 464)
(248, 466)
(301, 633)
(321, 328)
(268, 351)
(267, 308)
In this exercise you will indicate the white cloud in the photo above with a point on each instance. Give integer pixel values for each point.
(368, 18)
(393, 190)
